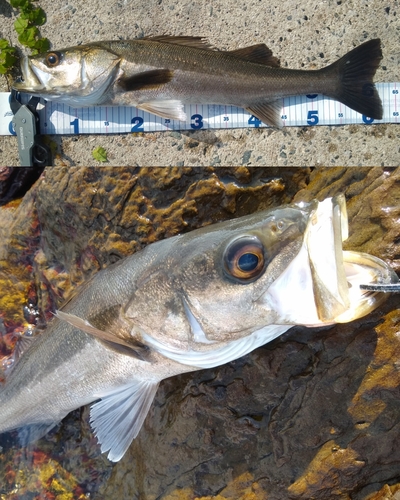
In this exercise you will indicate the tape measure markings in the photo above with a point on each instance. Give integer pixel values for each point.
(313, 109)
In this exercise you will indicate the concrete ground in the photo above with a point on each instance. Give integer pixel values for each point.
(307, 34)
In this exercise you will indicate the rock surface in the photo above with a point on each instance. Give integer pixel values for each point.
(314, 414)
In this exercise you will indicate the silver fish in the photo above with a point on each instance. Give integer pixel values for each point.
(192, 301)
(161, 74)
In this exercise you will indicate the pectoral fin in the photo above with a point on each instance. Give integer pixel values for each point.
(131, 348)
(148, 80)
(267, 112)
(117, 418)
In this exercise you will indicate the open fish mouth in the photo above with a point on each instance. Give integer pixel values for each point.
(341, 299)
(30, 81)
(329, 276)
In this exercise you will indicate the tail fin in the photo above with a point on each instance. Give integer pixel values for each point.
(356, 71)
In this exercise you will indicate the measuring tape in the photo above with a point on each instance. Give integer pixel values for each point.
(297, 111)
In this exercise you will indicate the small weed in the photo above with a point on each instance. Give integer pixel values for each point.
(100, 154)
(26, 25)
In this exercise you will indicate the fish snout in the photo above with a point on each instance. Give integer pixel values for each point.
(321, 285)
(29, 82)
(337, 279)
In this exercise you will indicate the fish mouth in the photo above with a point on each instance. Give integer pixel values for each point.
(327, 276)
(30, 81)
(337, 292)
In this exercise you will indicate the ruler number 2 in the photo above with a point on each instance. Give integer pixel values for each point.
(137, 123)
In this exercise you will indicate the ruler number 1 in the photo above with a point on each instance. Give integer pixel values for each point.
(75, 124)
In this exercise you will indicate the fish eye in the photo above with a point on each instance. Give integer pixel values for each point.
(244, 259)
(53, 59)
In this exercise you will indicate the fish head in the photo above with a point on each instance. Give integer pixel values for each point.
(79, 75)
(280, 267)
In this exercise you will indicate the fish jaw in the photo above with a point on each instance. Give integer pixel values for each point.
(82, 78)
(327, 290)
(30, 82)
(364, 269)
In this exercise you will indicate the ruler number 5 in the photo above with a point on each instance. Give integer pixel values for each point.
(312, 117)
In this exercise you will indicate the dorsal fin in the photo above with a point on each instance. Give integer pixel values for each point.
(259, 53)
(198, 42)
(8, 363)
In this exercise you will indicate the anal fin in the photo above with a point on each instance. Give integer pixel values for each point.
(118, 417)
(268, 112)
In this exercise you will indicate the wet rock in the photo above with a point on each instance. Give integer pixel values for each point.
(314, 414)
(15, 182)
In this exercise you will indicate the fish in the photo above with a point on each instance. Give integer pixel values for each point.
(193, 301)
(161, 74)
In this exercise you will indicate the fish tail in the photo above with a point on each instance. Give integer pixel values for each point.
(355, 72)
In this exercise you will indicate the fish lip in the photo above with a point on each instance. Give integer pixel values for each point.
(365, 269)
(341, 300)
(326, 230)
(30, 81)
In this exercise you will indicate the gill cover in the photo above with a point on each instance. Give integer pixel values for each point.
(79, 76)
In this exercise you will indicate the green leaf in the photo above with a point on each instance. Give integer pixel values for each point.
(100, 154)
(19, 4)
(7, 59)
(20, 25)
(41, 45)
(38, 16)
(28, 37)
(34, 16)
(4, 43)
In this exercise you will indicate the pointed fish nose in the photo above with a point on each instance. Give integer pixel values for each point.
(30, 81)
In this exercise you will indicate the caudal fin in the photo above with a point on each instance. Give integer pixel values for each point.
(356, 71)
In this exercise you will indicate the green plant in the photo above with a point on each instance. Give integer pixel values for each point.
(26, 25)
(7, 56)
(100, 154)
